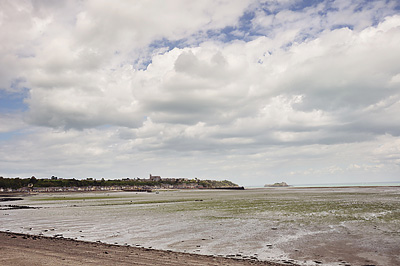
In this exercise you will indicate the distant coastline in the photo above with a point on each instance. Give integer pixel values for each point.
(55, 184)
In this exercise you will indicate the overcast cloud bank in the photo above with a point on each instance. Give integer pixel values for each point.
(252, 91)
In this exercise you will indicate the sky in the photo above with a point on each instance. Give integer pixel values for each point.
(256, 92)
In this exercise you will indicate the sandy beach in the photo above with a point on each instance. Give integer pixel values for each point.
(22, 249)
(354, 226)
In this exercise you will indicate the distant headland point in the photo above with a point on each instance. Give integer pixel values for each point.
(56, 184)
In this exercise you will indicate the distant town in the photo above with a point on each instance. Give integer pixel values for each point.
(56, 184)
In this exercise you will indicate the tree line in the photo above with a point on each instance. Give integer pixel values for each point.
(16, 183)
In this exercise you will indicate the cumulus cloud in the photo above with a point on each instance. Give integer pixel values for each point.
(10, 123)
(205, 78)
(341, 71)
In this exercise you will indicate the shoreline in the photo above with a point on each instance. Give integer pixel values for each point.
(150, 190)
(26, 249)
(7, 194)
(278, 226)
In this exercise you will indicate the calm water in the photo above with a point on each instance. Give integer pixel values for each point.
(366, 184)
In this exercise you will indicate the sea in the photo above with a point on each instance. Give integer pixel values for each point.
(362, 184)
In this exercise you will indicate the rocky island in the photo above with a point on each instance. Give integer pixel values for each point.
(281, 184)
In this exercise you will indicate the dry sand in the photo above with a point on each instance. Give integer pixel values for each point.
(21, 249)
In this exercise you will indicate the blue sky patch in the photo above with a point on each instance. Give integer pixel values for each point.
(11, 102)
(300, 5)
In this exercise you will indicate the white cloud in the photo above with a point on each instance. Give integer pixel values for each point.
(11, 122)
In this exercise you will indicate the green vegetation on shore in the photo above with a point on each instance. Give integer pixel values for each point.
(17, 183)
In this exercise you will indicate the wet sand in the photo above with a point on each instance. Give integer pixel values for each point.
(22, 249)
(354, 226)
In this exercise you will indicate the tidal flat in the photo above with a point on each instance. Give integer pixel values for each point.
(306, 226)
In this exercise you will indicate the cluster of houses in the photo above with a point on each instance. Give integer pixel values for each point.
(64, 189)
(157, 178)
(103, 188)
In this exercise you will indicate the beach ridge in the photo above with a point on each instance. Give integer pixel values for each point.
(25, 249)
